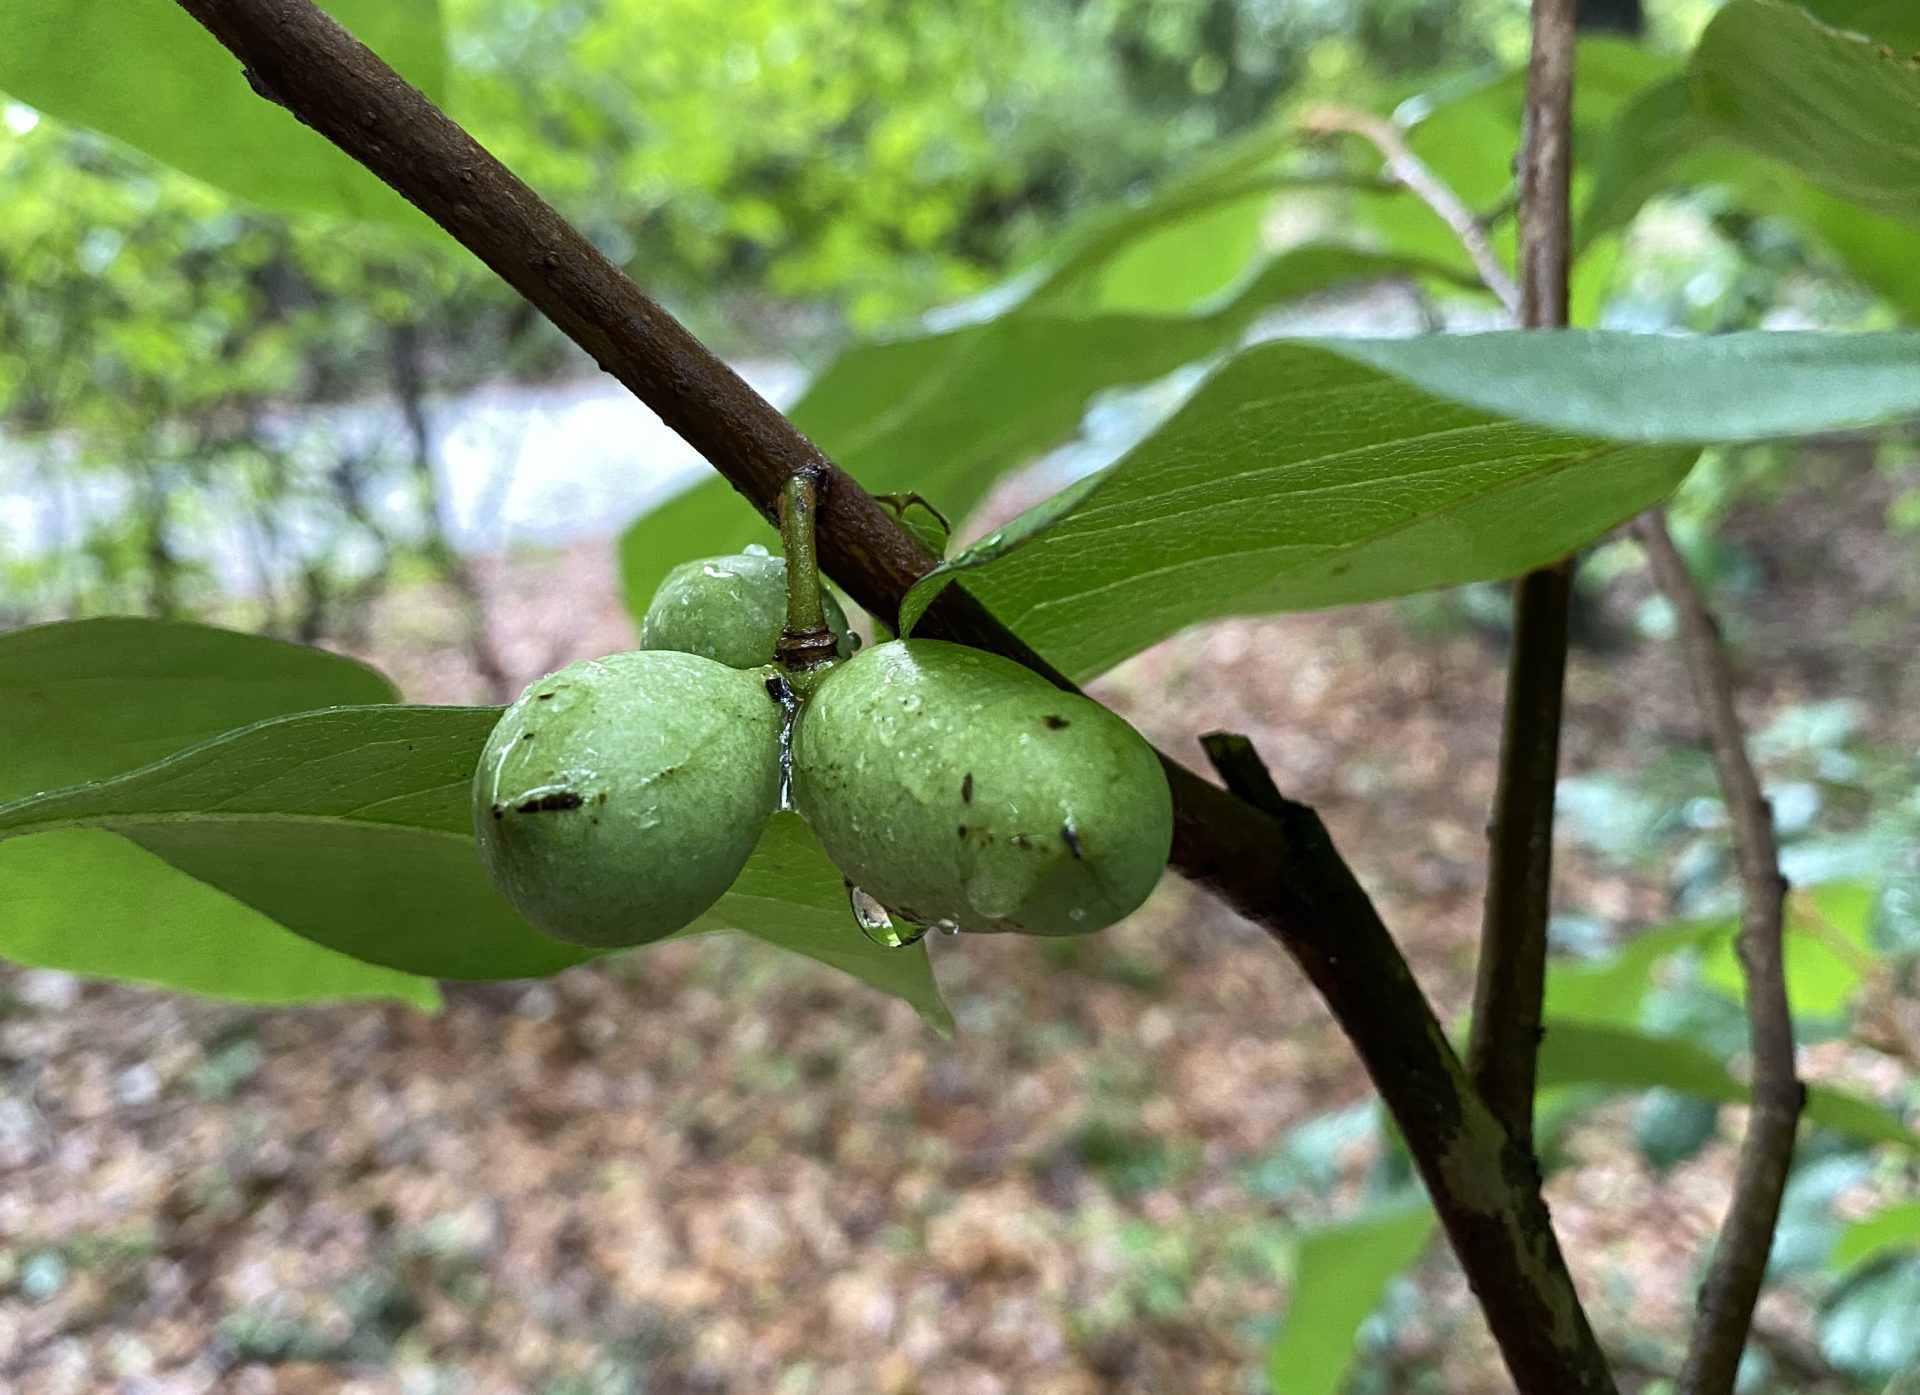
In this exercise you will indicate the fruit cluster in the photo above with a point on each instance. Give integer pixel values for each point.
(618, 798)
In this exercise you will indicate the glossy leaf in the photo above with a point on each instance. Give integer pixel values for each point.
(946, 414)
(85, 699)
(1323, 473)
(90, 699)
(351, 827)
(1840, 106)
(1622, 1058)
(147, 74)
(89, 902)
(1340, 1274)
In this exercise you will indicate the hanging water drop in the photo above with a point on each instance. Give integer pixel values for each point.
(947, 927)
(755, 550)
(877, 924)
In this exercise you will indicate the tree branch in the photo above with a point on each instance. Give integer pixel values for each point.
(1281, 873)
(1546, 167)
(1504, 1049)
(1420, 181)
(1746, 1236)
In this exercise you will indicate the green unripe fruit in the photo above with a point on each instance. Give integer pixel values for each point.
(620, 797)
(729, 609)
(952, 785)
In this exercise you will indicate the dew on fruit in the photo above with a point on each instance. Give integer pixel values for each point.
(949, 927)
(782, 692)
(755, 550)
(877, 924)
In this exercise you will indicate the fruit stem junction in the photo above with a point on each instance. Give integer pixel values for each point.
(807, 643)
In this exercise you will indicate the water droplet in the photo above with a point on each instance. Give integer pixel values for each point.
(782, 693)
(755, 550)
(877, 924)
(1077, 913)
(947, 927)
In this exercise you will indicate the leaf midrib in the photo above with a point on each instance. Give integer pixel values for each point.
(117, 820)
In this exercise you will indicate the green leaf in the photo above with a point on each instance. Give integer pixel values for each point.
(1829, 950)
(944, 415)
(1468, 140)
(1340, 1274)
(91, 699)
(1892, 1228)
(85, 699)
(1664, 389)
(1839, 106)
(1622, 1059)
(1659, 143)
(1323, 473)
(352, 827)
(791, 896)
(1895, 21)
(143, 71)
(1613, 991)
(89, 902)
(349, 826)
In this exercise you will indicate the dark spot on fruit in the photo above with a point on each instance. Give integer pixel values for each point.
(1072, 840)
(1055, 723)
(499, 811)
(546, 697)
(550, 803)
(963, 830)
(1020, 840)
(526, 736)
(600, 798)
(966, 789)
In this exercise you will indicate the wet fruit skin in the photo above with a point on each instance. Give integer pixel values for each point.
(954, 785)
(618, 798)
(729, 609)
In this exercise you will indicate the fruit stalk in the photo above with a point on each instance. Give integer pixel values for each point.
(807, 645)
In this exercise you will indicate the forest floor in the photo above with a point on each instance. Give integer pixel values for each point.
(710, 1168)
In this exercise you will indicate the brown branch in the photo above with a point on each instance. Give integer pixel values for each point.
(1419, 180)
(1546, 167)
(1739, 1266)
(1503, 1052)
(1281, 872)
(1503, 1048)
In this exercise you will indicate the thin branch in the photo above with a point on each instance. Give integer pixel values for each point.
(1420, 180)
(1296, 887)
(1746, 1236)
(1503, 1048)
(1503, 1052)
(1546, 167)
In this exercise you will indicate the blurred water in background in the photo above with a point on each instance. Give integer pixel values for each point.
(526, 465)
(516, 465)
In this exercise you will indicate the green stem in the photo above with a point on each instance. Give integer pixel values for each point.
(807, 643)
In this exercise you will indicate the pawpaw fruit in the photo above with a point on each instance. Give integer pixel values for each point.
(618, 798)
(729, 609)
(954, 786)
